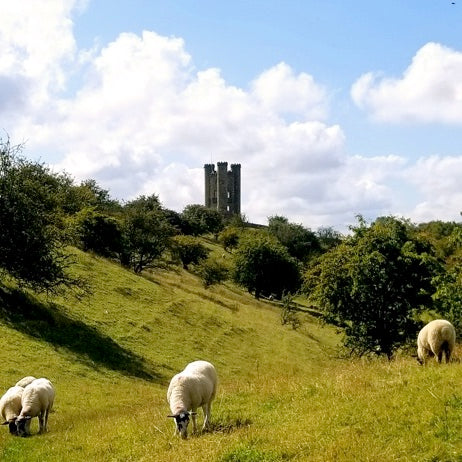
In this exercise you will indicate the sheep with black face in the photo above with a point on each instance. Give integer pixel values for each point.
(37, 401)
(194, 387)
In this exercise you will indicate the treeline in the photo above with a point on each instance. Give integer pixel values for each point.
(374, 283)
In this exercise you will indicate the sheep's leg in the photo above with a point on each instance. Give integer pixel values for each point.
(193, 416)
(206, 408)
(447, 353)
(45, 426)
(40, 419)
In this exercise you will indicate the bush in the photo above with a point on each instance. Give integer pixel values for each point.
(97, 232)
(263, 266)
(212, 272)
(188, 249)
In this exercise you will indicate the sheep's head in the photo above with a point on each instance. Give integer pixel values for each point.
(182, 421)
(11, 426)
(22, 425)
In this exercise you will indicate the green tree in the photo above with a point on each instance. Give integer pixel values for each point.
(212, 271)
(31, 246)
(373, 284)
(200, 220)
(263, 266)
(188, 249)
(97, 232)
(299, 241)
(146, 233)
(328, 238)
(229, 237)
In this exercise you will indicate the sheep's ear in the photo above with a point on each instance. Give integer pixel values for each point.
(173, 416)
(6, 422)
(193, 413)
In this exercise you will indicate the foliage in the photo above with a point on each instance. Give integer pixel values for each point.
(146, 233)
(288, 312)
(212, 271)
(263, 266)
(446, 237)
(188, 249)
(299, 241)
(328, 238)
(373, 284)
(239, 221)
(448, 295)
(87, 195)
(176, 220)
(31, 248)
(199, 220)
(97, 232)
(229, 237)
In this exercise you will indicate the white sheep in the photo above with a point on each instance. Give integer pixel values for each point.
(194, 387)
(25, 381)
(436, 338)
(37, 400)
(10, 407)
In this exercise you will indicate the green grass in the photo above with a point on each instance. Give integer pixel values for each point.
(284, 394)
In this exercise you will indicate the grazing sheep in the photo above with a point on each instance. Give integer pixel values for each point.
(37, 400)
(25, 381)
(194, 387)
(10, 407)
(436, 338)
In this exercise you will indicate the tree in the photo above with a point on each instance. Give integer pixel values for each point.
(263, 266)
(97, 232)
(189, 250)
(299, 241)
(229, 237)
(328, 238)
(31, 246)
(145, 231)
(373, 284)
(212, 272)
(200, 220)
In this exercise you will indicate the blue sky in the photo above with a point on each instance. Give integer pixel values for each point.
(333, 108)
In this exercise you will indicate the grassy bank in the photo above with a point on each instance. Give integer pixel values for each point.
(283, 395)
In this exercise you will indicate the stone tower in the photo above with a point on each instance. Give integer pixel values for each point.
(223, 187)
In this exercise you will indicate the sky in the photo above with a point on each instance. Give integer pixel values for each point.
(333, 108)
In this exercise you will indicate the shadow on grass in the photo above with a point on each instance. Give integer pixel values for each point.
(45, 321)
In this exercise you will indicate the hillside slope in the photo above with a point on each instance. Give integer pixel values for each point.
(283, 395)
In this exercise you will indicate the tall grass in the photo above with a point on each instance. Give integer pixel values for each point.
(284, 394)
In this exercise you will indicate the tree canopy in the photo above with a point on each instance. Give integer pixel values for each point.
(31, 248)
(263, 266)
(374, 283)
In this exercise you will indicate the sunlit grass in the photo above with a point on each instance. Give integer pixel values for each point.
(284, 394)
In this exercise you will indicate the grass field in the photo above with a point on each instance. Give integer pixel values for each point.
(283, 394)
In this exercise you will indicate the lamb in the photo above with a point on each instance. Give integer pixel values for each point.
(25, 381)
(37, 400)
(194, 387)
(436, 338)
(10, 407)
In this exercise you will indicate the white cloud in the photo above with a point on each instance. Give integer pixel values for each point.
(430, 89)
(279, 90)
(141, 119)
(437, 179)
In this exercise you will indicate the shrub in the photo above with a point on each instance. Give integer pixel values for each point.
(188, 249)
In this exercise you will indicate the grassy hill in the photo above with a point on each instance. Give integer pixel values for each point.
(283, 394)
